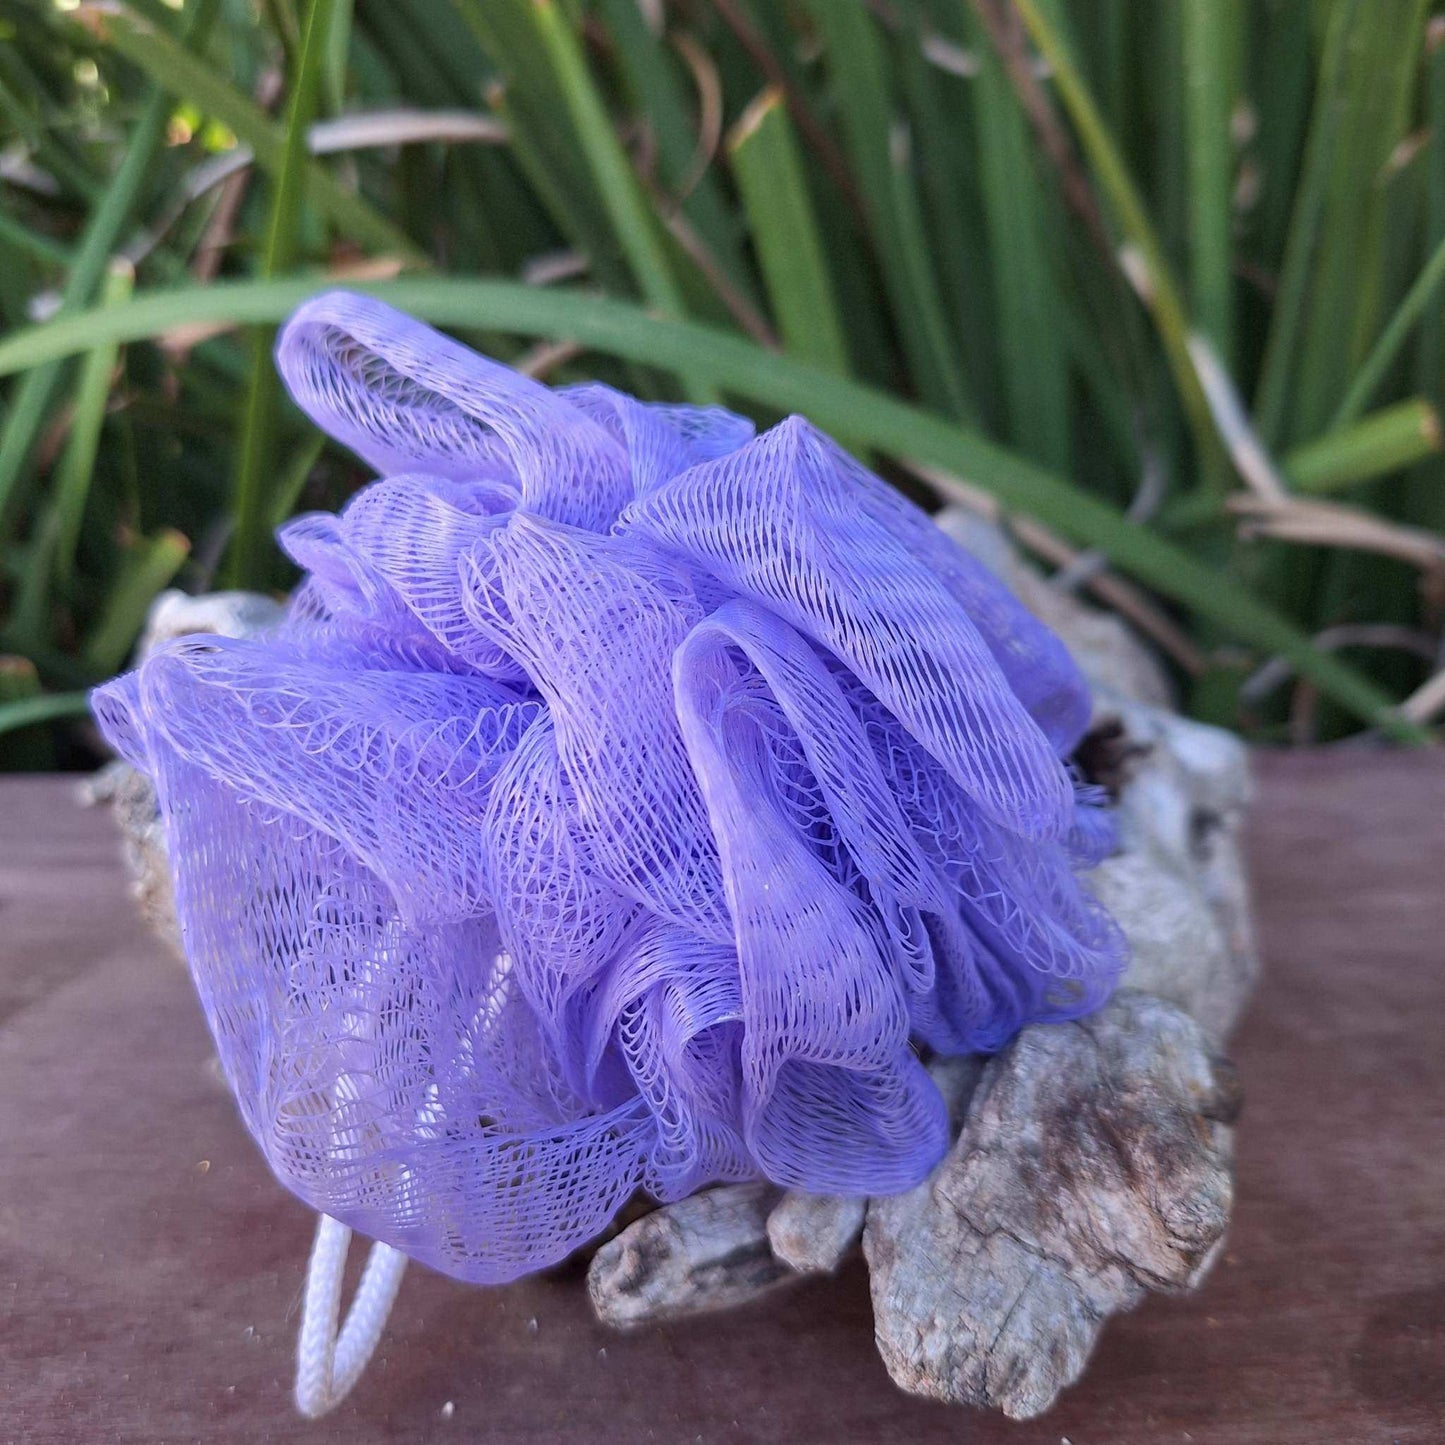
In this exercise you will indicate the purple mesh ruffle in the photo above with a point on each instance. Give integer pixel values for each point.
(623, 803)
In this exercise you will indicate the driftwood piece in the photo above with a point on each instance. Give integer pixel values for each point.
(1178, 886)
(132, 800)
(1094, 1165)
(992, 1282)
(815, 1233)
(707, 1252)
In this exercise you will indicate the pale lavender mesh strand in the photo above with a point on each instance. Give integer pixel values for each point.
(626, 803)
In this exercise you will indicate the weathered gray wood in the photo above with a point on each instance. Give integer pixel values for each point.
(707, 1252)
(815, 1233)
(1094, 1165)
(131, 797)
(1177, 887)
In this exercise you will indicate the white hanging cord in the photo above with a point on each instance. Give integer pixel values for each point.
(329, 1364)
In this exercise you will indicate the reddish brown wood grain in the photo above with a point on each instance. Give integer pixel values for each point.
(149, 1267)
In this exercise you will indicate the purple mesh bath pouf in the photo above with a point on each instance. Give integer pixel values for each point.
(624, 802)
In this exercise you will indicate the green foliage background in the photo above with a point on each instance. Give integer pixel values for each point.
(1161, 277)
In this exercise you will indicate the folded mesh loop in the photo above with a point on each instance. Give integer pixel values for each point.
(398, 765)
(417, 534)
(823, 1016)
(781, 521)
(626, 803)
(660, 440)
(407, 398)
(842, 781)
(1045, 679)
(595, 620)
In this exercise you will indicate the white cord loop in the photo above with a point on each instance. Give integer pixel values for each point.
(328, 1363)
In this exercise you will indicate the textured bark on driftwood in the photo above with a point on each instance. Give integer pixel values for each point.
(1094, 1165)
(815, 1233)
(707, 1252)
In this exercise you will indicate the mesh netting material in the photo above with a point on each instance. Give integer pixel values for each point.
(624, 803)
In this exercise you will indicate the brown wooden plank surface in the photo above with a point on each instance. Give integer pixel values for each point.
(150, 1267)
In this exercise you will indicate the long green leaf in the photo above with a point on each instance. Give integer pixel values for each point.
(660, 98)
(1383, 442)
(613, 176)
(1031, 342)
(1416, 303)
(52, 555)
(1425, 489)
(1328, 292)
(1211, 30)
(27, 711)
(20, 683)
(878, 147)
(528, 95)
(769, 170)
(1160, 290)
(738, 366)
(150, 566)
(76, 467)
(257, 453)
(43, 247)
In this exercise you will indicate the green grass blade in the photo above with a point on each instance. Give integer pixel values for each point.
(28, 409)
(1280, 72)
(915, 265)
(1417, 302)
(20, 683)
(256, 460)
(1161, 291)
(150, 567)
(1212, 38)
(184, 75)
(1424, 492)
(1386, 441)
(612, 174)
(52, 553)
(734, 365)
(338, 52)
(611, 171)
(768, 167)
(1306, 216)
(1328, 290)
(878, 148)
(1031, 343)
(294, 476)
(526, 93)
(945, 142)
(1430, 357)
(76, 467)
(659, 98)
(27, 711)
(54, 158)
(43, 248)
